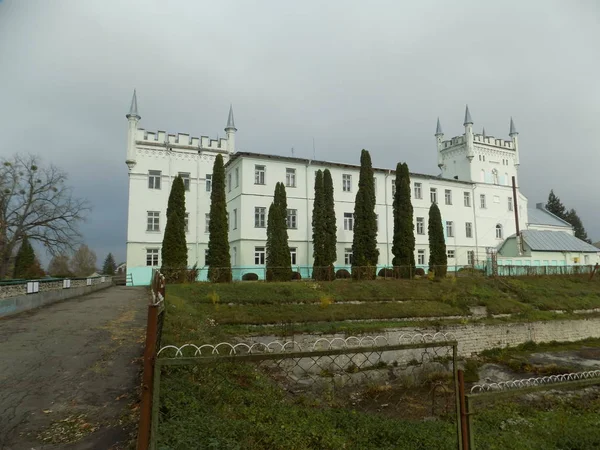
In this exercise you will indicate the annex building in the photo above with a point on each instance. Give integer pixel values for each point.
(474, 192)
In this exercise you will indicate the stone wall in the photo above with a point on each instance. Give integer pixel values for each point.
(473, 338)
(14, 298)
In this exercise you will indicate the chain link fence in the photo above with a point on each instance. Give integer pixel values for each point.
(358, 392)
(556, 411)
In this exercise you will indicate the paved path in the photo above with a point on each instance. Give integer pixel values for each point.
(69, 372)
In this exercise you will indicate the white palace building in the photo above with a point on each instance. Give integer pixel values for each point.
(474, 192)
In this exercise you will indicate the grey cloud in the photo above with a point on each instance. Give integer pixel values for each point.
(350, 74)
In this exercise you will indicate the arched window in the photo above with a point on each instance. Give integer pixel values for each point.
(495, 176)
(482, 176)
(498, 231)
(506, 179)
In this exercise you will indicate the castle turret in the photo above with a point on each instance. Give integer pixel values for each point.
(469, 134)
(514, 134)
(133, 118)
(439, 137)
(230, 129)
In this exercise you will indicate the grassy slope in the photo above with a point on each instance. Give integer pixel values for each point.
(323, 307)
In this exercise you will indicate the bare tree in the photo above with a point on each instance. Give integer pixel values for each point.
(59, 266)
(36, 202)
(83, 262)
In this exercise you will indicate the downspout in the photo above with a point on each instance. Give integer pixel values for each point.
(308, 222)
(476, 255)
(197, 210)
(387, 235)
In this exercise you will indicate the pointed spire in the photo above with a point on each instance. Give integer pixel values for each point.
(438, 129)
(468, 119)
(133, 109)
(483, 132)
(230, 122)
(513, 129)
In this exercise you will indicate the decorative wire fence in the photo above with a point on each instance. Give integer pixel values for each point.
(554, 411)
(358, 392)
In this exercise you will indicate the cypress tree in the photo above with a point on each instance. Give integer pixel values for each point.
(577, 224)
(404, 233)
(364, 245)
(279, 264)
(174, 247)
(219, 261)
(318, 227)
(438, 258)
(109, 266)
(330, 226)
(25, 260)
(555, 206)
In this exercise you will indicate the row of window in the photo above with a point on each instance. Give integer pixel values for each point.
(260, 256)
(292, 222)
(154, 180)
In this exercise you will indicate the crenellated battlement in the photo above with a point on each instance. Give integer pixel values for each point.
(179, 140)
(479, 138)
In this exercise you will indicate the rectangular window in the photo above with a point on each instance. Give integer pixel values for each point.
(467, 199)
(152, 257)
(234, 256)
(449, 228)
(421, 257)
(348, 221)
(229, 182)
(418, 191)
(259, 255)
(469, 229)
(376, 222)
(293, 255)
(237, 177)
(292, 221)
(433, 195)
(510, 204)
(482, 201)
(450, 254)
(259, 217)
(375, 185)
(290, 177)
(393, 187)
(206, 257)
(448, 196)
(153, 221)
(470, 257)
(206, 222)
(208, 182)
(346, 182)
(154, 179)
(187, 222)
(259, 174)
(235, 219)
(348, 256)
(185, 176)
(420, 225)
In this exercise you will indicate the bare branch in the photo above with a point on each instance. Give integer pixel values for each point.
(37, 202)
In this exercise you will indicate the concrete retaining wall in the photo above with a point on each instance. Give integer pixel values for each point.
(474, 338)
(20, 303)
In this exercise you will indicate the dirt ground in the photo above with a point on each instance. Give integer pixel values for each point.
(69, 372)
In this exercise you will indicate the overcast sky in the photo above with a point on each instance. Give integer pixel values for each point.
(350, 74)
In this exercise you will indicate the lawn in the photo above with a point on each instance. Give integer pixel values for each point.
(227, 407)
(367, 306)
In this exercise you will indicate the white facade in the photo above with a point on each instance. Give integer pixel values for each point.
(478, 215)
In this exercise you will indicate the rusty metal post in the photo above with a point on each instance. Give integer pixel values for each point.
(464, 432)
(457, 395)
(147, 379)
